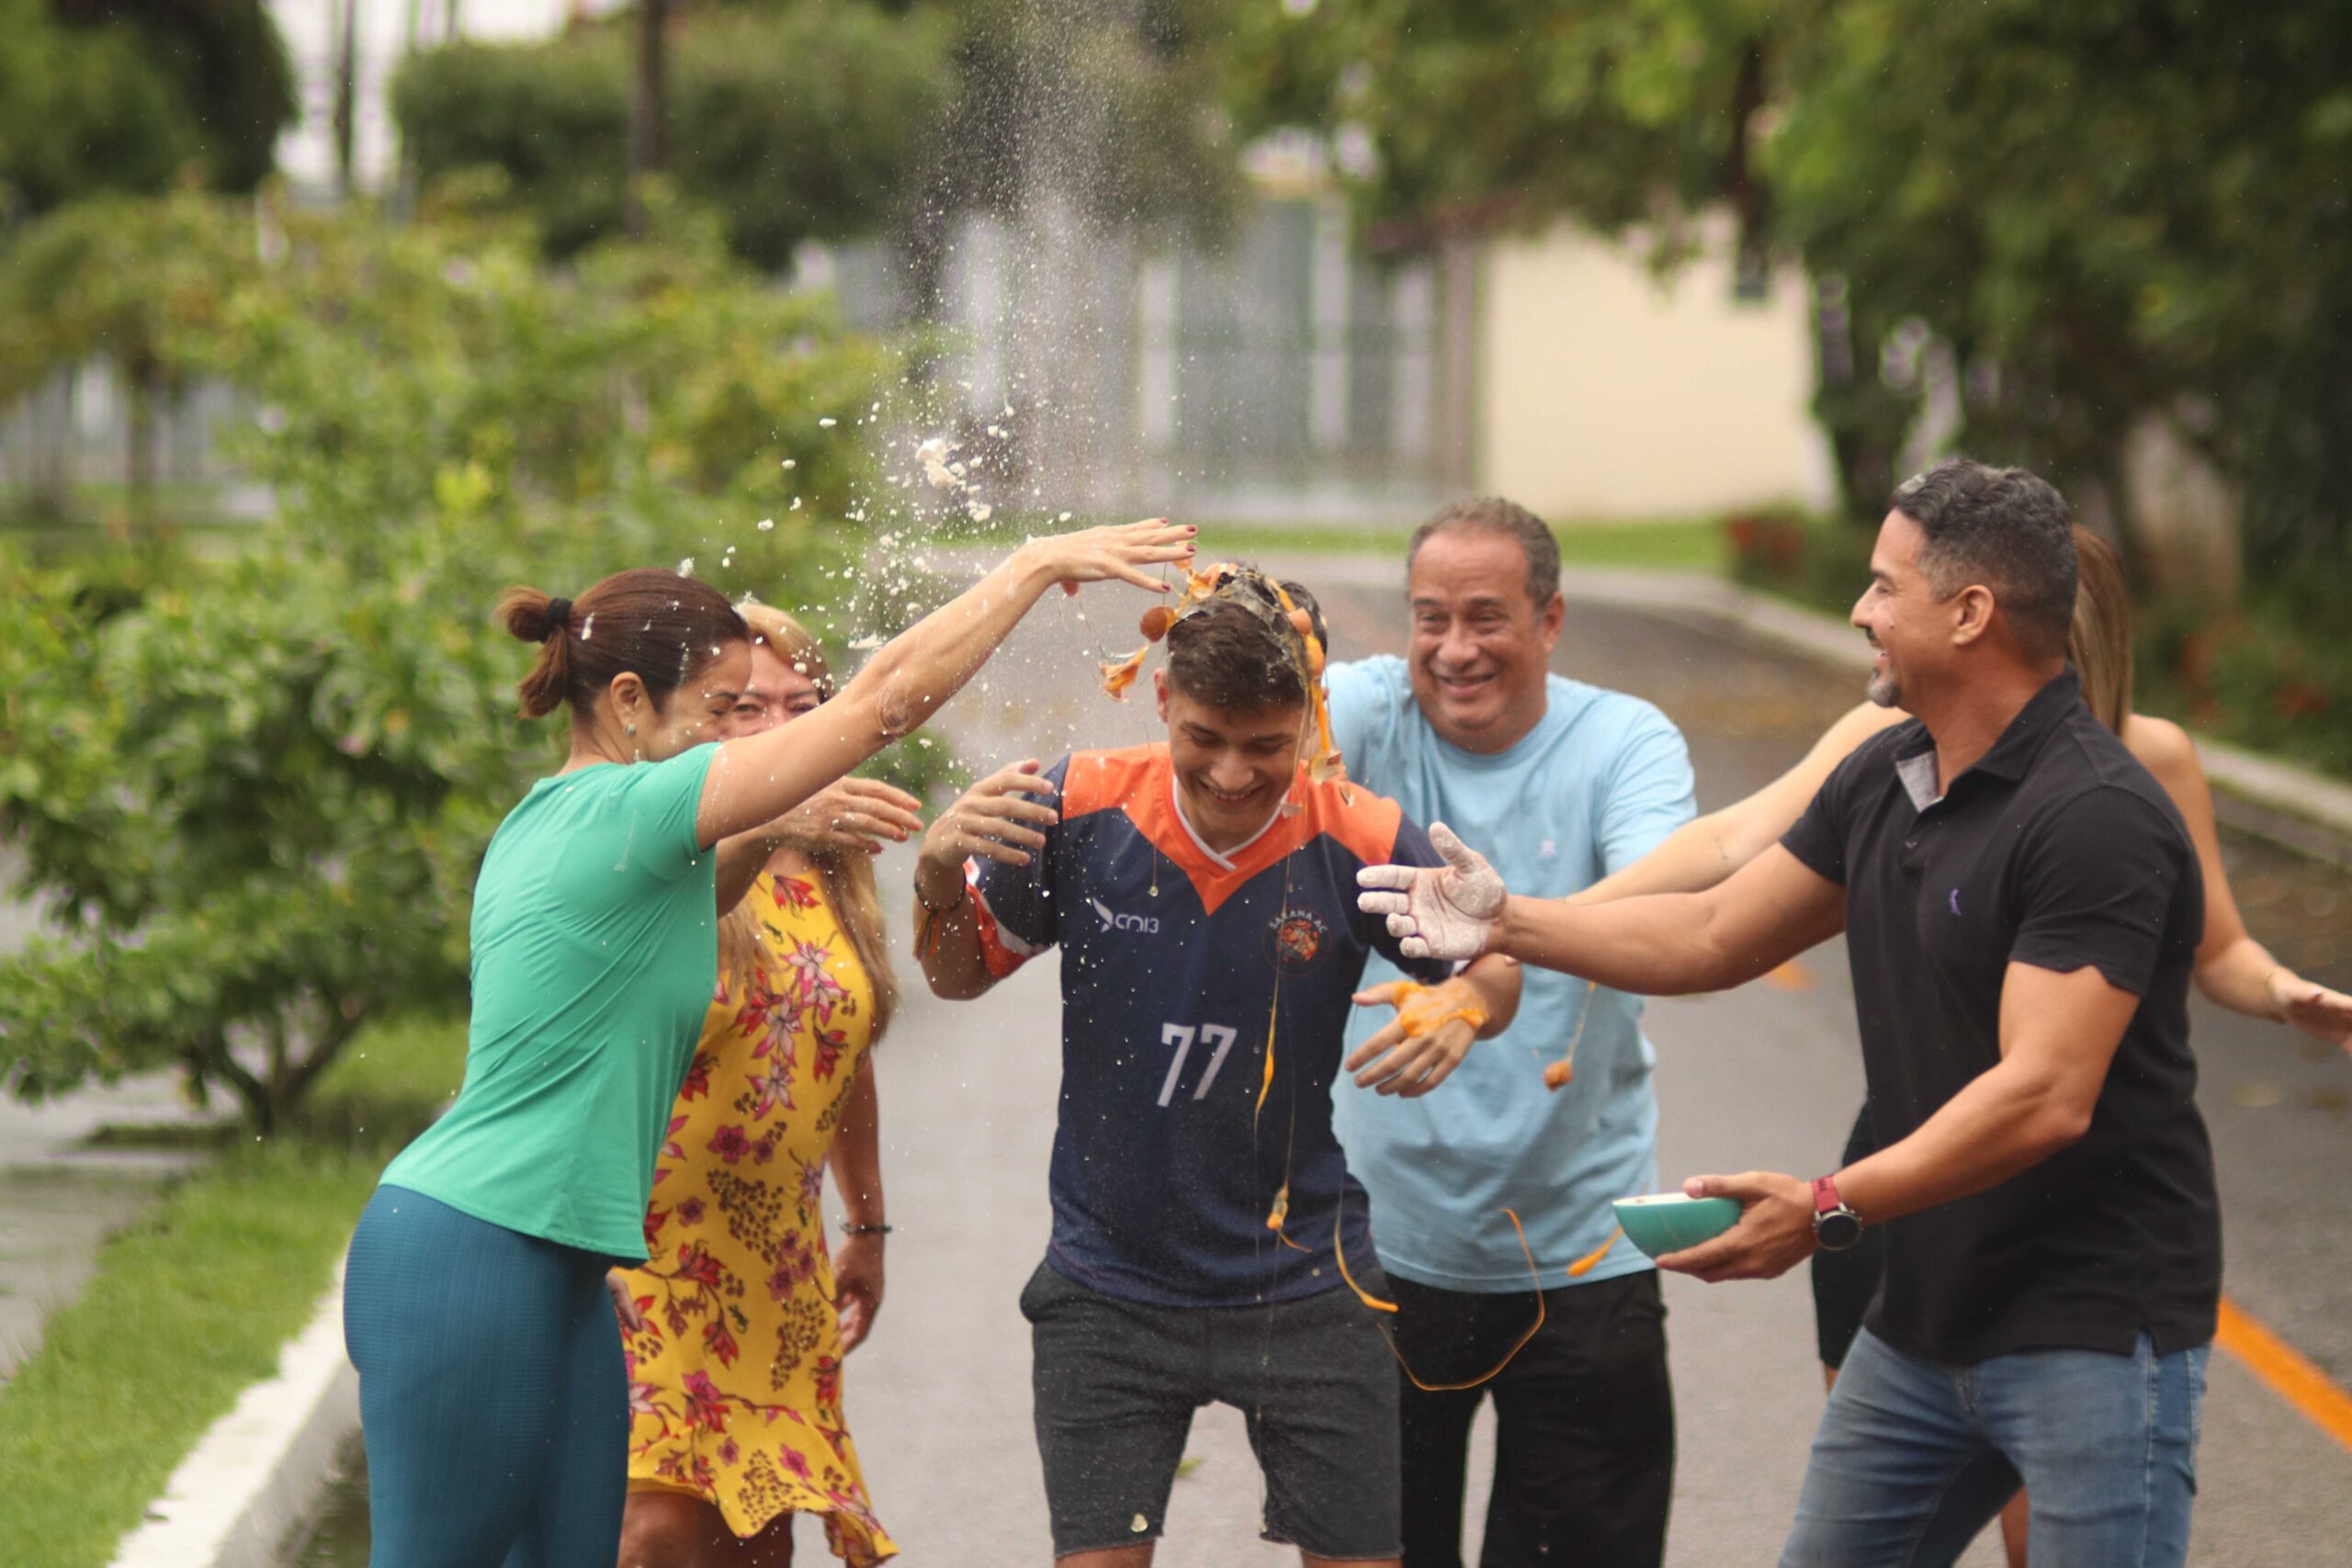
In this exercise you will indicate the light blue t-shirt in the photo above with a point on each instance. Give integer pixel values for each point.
(1592, 788)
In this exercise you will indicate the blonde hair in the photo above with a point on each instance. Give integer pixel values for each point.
(2101, 641)
(847, 875)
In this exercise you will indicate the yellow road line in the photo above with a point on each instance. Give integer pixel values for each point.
(2290, 1376)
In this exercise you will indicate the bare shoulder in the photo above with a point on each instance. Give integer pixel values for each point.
(2163, 748)
(2170, 756)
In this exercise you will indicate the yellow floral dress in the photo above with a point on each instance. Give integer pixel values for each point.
(735, 1382)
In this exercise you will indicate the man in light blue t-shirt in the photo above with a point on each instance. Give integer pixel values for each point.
(1559, 785)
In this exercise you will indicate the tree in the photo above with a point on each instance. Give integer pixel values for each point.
(2112, 212)
(255, 792)
(131, 280)
(795, 124)
(131, 95)
(649, 107)
(1114, 107)
(830, 121)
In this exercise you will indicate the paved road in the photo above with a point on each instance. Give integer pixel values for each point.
(1763, 1077)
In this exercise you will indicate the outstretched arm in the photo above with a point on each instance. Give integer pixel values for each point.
(1704, 851)
(2059, 1033)
(1770, 911)
(853, 816)
(1434, 1026)
(2232, 968)
(760, 777)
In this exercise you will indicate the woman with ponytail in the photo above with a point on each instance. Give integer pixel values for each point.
(741, 1313)
(492, 1391)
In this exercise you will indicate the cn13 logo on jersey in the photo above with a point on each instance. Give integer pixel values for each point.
(1115, 921)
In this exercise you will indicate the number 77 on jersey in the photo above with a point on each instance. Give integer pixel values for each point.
(1216, 1037)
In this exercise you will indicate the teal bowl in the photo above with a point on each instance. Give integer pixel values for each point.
(1668, 1222)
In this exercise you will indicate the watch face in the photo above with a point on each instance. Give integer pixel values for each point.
(1837, 1230)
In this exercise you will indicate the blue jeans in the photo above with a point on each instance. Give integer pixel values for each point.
(1912, 1458)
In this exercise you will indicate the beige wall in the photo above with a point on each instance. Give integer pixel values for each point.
(1605, 392)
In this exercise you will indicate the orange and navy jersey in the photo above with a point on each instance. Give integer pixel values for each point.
(1181, 968)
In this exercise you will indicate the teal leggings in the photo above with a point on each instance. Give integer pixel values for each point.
(491, 1391)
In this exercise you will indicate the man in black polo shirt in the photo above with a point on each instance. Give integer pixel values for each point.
(2022, 907)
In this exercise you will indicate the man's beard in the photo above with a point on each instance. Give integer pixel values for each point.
(1884, 691)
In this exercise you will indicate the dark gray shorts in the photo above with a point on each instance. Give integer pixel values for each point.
(1117, 1382)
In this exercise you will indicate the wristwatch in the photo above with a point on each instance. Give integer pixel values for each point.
(1835, 1226)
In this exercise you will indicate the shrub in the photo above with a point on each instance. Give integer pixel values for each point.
(255, 792)
(794, 124)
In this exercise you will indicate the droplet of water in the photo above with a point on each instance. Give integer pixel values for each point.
(827, 423)
(766, 523)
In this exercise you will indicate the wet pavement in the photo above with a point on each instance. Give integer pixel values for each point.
(60, 1197)
(1766, 1076)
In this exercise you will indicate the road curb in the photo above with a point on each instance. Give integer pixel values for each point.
(258, 1471)
(2267, 782)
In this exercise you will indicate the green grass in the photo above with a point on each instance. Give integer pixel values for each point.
(1695, 544)
(189, 1304)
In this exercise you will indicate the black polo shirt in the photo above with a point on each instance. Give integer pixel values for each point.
(2057, 849)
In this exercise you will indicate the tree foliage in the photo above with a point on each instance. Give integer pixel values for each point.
(1113, 111)
(132, 95)
(804, 119)
(794, 123)
(255, 792)
(135, 281)
(2109, 210)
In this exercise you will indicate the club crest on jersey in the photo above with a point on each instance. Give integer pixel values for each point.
(1294, 939)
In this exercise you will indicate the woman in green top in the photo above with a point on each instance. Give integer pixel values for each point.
(492, 1393)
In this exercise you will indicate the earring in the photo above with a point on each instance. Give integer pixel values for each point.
(628, 729)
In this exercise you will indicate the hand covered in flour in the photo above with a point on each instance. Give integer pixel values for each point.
(1433, 1029)
(1449, 911)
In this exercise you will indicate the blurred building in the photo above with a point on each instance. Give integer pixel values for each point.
(1293, 376)
(1603, 390)
(1289, 375)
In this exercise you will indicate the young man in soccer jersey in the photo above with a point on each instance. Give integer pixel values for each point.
(1204, 1220)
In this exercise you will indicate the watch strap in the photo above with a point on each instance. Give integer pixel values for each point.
(1825, 1196)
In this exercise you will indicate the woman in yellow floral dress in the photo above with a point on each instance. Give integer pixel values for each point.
(739, 1317)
